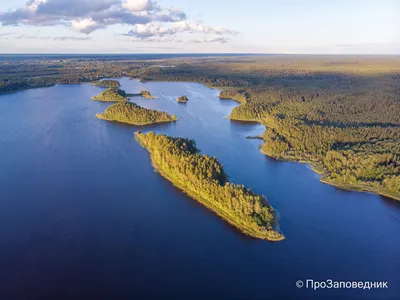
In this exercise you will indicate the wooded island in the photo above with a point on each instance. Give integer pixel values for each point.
(111, 95)
(131, 113)
(182, 99)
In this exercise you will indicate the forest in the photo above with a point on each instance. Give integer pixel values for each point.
(111, 95)
(24, 73)
(340, 113)
(240, 96)
(108, 83)
(204, 179)
(131, 113)
(353, 147)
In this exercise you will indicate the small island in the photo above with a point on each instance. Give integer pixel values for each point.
(108, 83)
(146, 94)
(143, 93)
(182, 99)
(203, 178)
(131, 113)
(111, 95)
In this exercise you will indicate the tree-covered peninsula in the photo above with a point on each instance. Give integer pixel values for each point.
(111, 95)
(182, 99)
(131, 113)
(204, 179)
(240, 96)
(348, 154)
(108, 83)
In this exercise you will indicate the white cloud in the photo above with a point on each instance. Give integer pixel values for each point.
(153, 30)
(73, 8)
(217, 39)
(150, 30)
(33, 4)
(150, 21)
(84, 25)
(58, 38)
(89, 15)
(71, 38)
(140, 5)
(191, 27)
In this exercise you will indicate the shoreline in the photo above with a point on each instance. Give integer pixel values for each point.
(94, 98)
(244, 120)
(30, 88)
(224, 98)
(316, 169)
(325, 180)
(219, 212)
(322, 180)
(100, 117)
(140, 95)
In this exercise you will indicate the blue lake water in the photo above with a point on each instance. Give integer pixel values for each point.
(83, 215)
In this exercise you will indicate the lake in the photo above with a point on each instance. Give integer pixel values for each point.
(83, 214)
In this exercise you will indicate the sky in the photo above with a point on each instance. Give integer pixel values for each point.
(205, 26)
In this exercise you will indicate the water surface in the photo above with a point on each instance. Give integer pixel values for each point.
(83, 214)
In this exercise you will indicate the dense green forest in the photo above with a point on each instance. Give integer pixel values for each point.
(182, 99)
(108, 83)
(203, 178)
(131, 113)
(350, 139)
(111, 95)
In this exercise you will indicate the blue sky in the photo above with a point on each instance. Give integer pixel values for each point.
(176, 26)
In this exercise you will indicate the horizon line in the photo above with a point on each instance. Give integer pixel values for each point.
(195, 53)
